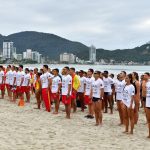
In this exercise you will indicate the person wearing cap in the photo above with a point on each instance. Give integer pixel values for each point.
(97, 97)
(108, 88)
(80, 91)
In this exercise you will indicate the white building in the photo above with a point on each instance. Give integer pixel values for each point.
(19, 57)
(9, 51)
(67, 58)
(92, 54)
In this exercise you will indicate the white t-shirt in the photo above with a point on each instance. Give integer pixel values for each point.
(27, 78)
(82, 83)
(119, 86)
(12, 76)
(66, 81)
(55, 84)
(97, 85)
(148, 94)
(88, 85)
(7, 81)
(1, 76)
(44, 79)
(19, 77)
(128, 92)
(108, 82)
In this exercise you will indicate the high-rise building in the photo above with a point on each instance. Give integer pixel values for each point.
(92, 54)
(67, 58)
(9, 51)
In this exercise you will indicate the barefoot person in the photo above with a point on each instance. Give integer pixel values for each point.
(80, 91)
(75, 87)
(66, 91)
(108, 88)
(148, 103)
(136, 84)
(55, 89)
(119, 86)
(128, 104)
(2, 86)
(97, 97)
(87, 96)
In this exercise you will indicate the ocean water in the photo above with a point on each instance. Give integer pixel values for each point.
(115, 69)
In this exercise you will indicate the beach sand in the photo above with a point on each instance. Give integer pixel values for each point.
(27, 128)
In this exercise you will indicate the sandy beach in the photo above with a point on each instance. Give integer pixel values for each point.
(27, 128)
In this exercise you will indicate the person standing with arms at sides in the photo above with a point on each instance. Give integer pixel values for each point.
(45, 83)
(13, 83)
(119, 86)
(80, 91)
(55, 89)
(128, 104)
(75, 87)
(66, 91)
(97, 97)
(35, 75)
(26, 85)
(136, 84)
(108, 88)
(147, 105)
(141, 82)
(7, 80)
(19, 79)
(2, 86)
(88, 95)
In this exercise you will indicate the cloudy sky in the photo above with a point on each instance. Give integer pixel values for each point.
(109, 24)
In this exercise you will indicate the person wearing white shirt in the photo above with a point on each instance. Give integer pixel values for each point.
(55, 89)
(45, 83)
(97, 97)
(128, 104)
(80, 91)
(66, 91)
(119, 87)
(2, 86)
(108, 89)
(26, 84)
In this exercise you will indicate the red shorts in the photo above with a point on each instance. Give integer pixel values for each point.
(2, 87)
(26, 89)
(20, 89)
(87, 100)
(55, 96)
(74, 95)
(66, 100)
(7, 86)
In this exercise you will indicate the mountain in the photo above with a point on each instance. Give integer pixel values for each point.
(52, 45)
(47, 44)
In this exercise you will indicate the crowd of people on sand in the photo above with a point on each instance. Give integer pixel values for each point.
(93, 89)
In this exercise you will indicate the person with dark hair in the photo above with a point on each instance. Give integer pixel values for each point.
(97, 97)
(26, 84)
(55, 89)
(81, 90)
(38, 93)
(2, 86)
(66, 91)
(128, 104)
(7, 80)
(108, 89)
(136, 83)
(147, 104)
(75, 87)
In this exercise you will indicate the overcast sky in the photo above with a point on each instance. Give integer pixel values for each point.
(109, 24)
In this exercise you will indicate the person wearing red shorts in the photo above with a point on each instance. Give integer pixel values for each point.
(19, 79)
(87, 94)
(55, 89)
(2, 86)
(66, 91)
(45, 83)
(26, 85)
(75, 87)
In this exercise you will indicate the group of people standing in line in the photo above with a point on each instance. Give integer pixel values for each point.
(97, 90)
